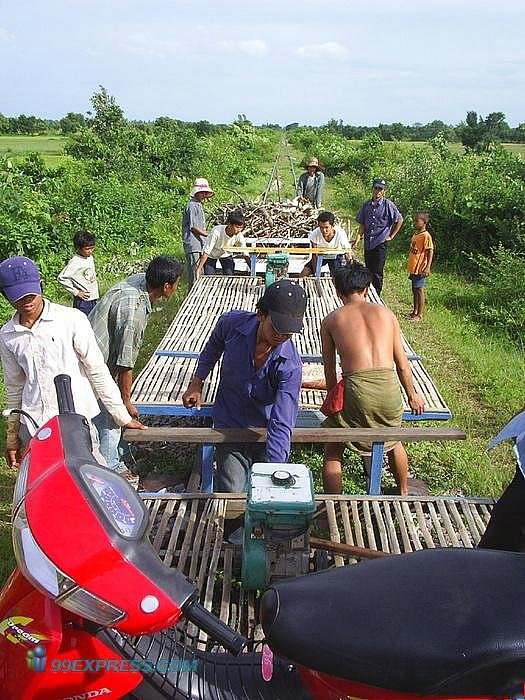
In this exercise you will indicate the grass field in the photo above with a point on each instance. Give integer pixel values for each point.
(51, 148)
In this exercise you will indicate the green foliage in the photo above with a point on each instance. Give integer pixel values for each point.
(502, 301)
(125, 182)
(73, 121)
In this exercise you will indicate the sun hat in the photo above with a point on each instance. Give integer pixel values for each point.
(313, 161)
(201, 185)
(286, 304)
(19, 277)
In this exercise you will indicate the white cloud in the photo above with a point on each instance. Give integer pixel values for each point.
(250, 47)
(145, 44)
(329, 49)
(5, 35)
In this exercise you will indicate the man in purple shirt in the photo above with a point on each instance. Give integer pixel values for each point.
(260, 380)
(379, 222)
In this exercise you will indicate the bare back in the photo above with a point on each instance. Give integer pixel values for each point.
(364, 335)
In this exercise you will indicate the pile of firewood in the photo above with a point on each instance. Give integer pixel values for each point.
(284, 220)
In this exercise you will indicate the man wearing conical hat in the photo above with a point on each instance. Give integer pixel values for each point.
(311, 183)
(194, 225)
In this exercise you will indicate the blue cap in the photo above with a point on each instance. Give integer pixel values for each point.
(19, 277)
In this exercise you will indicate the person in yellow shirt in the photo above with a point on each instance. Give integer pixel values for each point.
(419, 262)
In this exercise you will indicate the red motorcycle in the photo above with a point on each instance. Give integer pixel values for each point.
(92, 612)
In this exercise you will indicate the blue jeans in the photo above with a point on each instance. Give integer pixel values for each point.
(84, 305)
(234, 462)
(110, 437)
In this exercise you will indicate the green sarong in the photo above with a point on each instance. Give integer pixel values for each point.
(372, 400)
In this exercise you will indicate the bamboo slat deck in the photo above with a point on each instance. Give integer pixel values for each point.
(187, 532)
(164, 379)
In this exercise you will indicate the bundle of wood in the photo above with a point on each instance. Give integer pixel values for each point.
(284, 220)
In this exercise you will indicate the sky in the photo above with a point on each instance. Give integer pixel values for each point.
(277, 61)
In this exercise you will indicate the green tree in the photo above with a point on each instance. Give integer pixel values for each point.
(109, 117)
(72, 122)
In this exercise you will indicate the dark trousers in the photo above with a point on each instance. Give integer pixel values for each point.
(506, 528)
(84, 305)
(375, 262)
(227, 264)
(234, 462)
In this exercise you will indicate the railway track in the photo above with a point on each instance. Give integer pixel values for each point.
(283, 159)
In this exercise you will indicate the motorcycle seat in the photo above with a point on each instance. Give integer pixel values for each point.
(444, 621)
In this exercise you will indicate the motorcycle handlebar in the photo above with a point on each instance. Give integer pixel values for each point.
(217, 629)
(65, 401)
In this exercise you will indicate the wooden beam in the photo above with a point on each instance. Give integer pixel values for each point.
(210, 436)
(351, 549)
(288, 249)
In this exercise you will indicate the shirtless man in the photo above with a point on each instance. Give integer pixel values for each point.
(367, 339)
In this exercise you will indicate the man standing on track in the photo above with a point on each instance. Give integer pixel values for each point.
(379, 222)
(194, 226)
(367, 339)
(260, 380)
(311, 183)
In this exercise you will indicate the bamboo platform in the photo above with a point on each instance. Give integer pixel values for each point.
(165, 377)
(187, 532)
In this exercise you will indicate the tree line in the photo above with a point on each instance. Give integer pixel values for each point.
(474, 132)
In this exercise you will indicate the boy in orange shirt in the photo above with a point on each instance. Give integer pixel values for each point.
(419, 262)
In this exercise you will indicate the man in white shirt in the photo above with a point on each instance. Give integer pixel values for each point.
(220, 237)
(41, 340)
(327, 235)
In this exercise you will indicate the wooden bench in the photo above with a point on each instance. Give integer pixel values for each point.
(213, 436)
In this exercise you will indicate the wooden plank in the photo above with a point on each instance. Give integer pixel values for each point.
(153, 516)
(287, 249)
(407, 513)
(472, 526)
(172, 544)
(437, 525)
(345, 517)
(368, 526)
(234, 498)
(159, 535)
(392, 534)
(188, 539)
(477, 518)
(423, 526)
(357, 524)
(200, 435)
(463, 532)
(485, 513)
(381, 525)
(407, 547)
(447, 523)
(333, 529)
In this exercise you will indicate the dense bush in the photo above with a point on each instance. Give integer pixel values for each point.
(476, 203)
(125, 182)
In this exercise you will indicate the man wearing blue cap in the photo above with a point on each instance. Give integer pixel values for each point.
(260, 380)
(379, 222)
(41, 340)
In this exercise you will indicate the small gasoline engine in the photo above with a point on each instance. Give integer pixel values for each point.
(279, 510)
(276, 267)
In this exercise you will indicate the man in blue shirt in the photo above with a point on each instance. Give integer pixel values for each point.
(260, 380)
(379, 222)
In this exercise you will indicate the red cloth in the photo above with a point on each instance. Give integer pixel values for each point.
(334, 400)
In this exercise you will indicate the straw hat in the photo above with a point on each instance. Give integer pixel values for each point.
(201, 185)
(311, 162)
